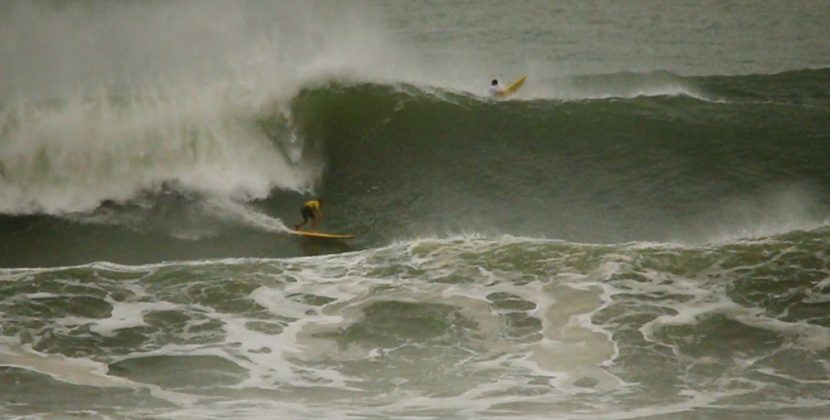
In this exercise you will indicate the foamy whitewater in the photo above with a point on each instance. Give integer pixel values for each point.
(642, 231)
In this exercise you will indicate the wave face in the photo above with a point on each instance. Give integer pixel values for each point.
(657, 157)
(721, 163)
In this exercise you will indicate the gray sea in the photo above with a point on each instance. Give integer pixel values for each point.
(642, 231)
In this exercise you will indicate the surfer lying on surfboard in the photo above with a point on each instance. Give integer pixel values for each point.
(311, 210)
(495, 88)
(503, 91)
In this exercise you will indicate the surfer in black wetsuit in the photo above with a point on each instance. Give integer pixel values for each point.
(311, 210)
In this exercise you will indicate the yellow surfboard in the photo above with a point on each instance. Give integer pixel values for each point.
(513, 87)
(321, 234)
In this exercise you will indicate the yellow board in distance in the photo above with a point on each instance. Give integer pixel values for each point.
(513, 87)
(321, 235)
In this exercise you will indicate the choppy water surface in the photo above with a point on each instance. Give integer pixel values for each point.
(641, 231)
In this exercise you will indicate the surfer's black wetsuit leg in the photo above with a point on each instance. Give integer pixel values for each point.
(307, 214)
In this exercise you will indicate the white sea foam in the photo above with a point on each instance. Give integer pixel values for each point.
(75, 156)
(82, 122)
(77, 370)
(536, 332)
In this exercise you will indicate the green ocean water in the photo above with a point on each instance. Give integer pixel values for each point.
(640, 232)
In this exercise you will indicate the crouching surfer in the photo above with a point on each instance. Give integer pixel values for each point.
(311, 210)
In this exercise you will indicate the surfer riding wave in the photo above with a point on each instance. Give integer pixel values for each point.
(311, 210)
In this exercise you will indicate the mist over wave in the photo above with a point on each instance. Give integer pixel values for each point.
(105, 101)
(72, 156)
